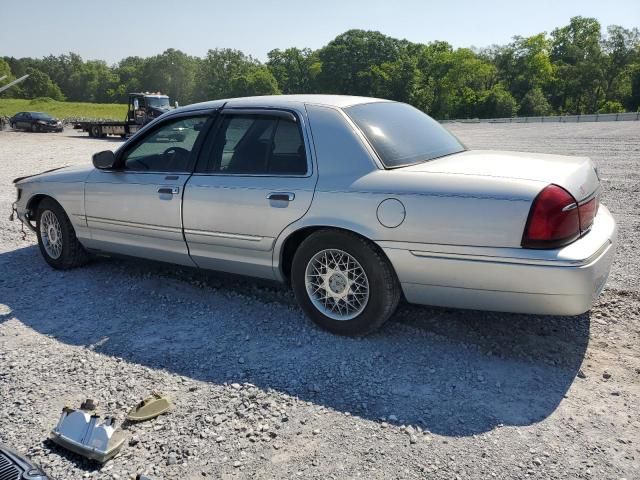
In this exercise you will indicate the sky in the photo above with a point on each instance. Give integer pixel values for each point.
(114, 29)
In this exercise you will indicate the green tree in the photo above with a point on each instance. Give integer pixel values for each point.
(497, 103)
(534, 103)
(395, 80)
(580, 85)
(347, 61)
(621, 50)
(219, 70)
(258, 81)
(633, 100)
(5, 70)
(524, 64)
(172, 73)
(295, 70)
(38, 84)
(611, 106)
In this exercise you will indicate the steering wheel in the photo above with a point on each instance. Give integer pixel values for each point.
(174, 150)
(177, 157)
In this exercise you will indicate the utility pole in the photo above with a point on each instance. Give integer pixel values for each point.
(9, 85)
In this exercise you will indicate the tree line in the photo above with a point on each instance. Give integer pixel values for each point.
(573, 70)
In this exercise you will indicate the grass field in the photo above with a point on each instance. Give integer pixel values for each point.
(64, 110)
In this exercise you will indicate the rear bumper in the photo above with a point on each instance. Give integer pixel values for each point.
(565, 281)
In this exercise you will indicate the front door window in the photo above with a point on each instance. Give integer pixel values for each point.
(166, 149)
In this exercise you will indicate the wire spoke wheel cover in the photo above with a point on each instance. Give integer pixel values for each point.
(51, 234)
(337, 284)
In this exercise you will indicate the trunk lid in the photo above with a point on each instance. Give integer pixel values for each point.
(577, 175)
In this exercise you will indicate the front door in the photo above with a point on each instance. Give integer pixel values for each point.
(135, 209)
(254, 177)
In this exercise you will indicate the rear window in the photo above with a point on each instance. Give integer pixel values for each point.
(401, 134)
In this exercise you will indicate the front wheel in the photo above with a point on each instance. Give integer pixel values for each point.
(34, 128)
(344, 283)
(57, 238)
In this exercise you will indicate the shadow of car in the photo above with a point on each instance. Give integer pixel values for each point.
(453, 372)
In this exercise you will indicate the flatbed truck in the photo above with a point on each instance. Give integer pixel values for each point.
(143, 107)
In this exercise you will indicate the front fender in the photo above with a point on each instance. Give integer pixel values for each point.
(70, 196)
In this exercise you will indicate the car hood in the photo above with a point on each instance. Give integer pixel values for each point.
(76, 173)
(576, 174)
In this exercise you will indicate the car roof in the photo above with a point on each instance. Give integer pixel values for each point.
(339, 101)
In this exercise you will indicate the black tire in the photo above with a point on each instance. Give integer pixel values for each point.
(73, 255)
(34, 128)
(384, 289)
(96, 131)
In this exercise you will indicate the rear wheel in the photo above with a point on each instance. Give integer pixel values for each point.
(96, 131)
(57, 238)
(344, 283)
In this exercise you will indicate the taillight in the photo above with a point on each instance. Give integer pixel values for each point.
(556, 219)
(588, 212)
(553, 221)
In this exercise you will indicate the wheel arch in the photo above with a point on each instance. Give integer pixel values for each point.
(34, 202)
(288, 242)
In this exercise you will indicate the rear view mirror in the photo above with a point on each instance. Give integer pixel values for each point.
(104, 160)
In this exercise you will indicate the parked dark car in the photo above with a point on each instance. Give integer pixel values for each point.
(35, 122)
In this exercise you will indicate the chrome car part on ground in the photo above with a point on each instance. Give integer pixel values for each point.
(261, 186)
(84, 433)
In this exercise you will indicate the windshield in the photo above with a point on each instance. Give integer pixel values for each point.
(401, 134)
(158, 102)
(40, 116)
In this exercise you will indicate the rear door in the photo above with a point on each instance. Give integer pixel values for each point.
(254, 178)
(25, 121)
(136, 209)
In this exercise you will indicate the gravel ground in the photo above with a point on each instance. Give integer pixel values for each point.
(259, 392)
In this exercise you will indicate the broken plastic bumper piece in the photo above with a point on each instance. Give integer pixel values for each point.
(148, 408)
(84, 433)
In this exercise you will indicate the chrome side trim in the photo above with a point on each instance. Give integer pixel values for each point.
(512, 260)
(595, 193)
(235, 236)
(143, 226)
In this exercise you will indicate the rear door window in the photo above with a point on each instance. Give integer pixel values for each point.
(255, 144)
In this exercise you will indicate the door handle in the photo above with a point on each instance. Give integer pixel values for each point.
(169, 190)
(282, 196)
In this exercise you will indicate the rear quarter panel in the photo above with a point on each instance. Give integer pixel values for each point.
(440, 208)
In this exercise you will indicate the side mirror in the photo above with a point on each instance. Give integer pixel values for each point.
(104, 160)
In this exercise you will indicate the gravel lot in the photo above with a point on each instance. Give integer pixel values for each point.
(259, 392)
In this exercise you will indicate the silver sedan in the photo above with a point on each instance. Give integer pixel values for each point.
(353, 201)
